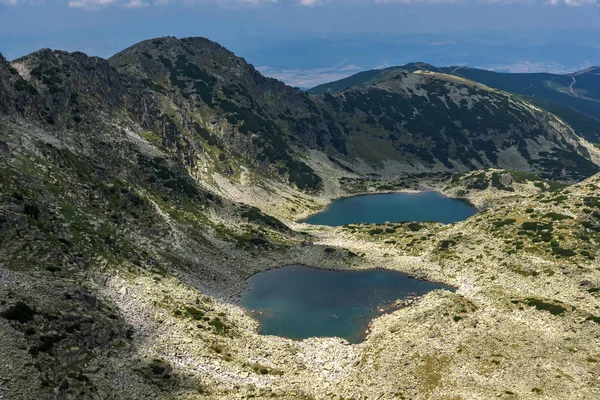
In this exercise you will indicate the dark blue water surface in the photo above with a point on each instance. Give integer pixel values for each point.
(393, 207)
(299, 302)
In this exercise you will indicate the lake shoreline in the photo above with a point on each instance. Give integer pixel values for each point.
(397, 291)
(465, 200)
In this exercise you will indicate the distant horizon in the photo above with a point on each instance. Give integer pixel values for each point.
(309, 42)
(349, 71)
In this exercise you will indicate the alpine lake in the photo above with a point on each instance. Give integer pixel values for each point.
(298, 302)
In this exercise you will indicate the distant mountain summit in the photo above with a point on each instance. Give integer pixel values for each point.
(363, 77)
(573, 97)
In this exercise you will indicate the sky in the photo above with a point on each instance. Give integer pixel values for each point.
(307, 42)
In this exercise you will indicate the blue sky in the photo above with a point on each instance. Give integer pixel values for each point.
(306, 42)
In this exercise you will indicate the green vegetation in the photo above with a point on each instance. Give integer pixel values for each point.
(593, 318)
(554, 309)
(557, 216)
(536, 226)
(447, 244)
(499, 224)
(559, 251)
(254, 214)
(414, 226)
(591, 201)
(195, 313)
(219, 325)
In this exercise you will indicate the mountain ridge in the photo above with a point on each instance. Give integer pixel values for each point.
(567, 99)
(194, 89)
(365, 76)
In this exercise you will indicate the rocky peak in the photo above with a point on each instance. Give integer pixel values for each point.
(416, 66)
(62, 89)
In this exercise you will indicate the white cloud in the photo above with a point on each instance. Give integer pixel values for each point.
(98, 4)
(310, 3)
(90, 3)
(419, 1)
(135, 4)
(574, 3)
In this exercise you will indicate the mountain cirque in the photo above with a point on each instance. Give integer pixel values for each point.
(126, 241)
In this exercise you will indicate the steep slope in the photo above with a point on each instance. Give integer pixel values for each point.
(207, 89)
(580, 90)
(363, 77)
(430, 120)
(353, 80)
(85, 202)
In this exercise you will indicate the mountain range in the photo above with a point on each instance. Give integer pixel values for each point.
(138, 193)
(192, 93)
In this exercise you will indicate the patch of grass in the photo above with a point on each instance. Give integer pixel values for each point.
(504, 222)
(536, 226)
(562, 252)
(195, 313)
(220, 326)
(253, 214)
(557, 199)
(592, 201)
(541, 305)
(593, 318)
(150, 84)
(557, 216)
(446, 244)
(414, 226)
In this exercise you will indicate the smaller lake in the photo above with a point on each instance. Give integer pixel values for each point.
(393, 207)
(300, 302)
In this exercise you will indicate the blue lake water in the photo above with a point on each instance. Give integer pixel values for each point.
(393, 207)
(300, 302)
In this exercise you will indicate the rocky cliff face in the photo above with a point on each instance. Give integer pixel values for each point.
(203, 89)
